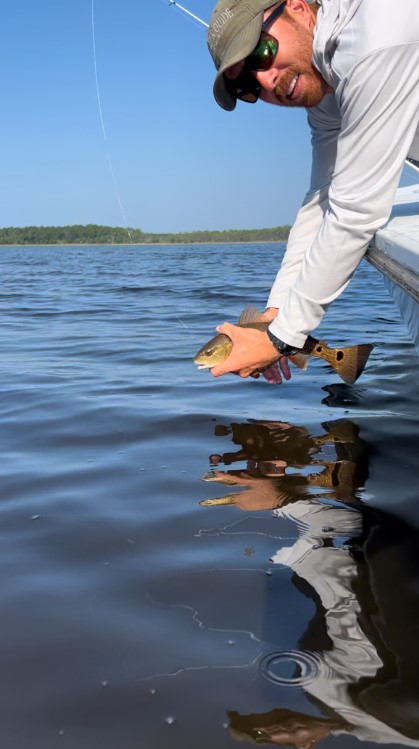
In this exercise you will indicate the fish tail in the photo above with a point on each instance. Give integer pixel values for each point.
(349, 362)
(228, 499)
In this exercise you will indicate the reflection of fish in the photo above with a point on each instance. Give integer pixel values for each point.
(220, 476)
(342, 431)
(228, 499)
(348, 362)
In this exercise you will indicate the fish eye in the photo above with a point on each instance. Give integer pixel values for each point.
(208, 352)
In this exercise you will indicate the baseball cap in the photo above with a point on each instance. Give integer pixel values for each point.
(233, 34)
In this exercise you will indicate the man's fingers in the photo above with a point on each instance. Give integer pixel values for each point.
(227, 328)
(285, 367)
(273, 375)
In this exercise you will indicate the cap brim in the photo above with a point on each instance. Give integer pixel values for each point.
(241, 46)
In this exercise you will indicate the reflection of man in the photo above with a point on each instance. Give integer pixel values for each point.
(270, 447)
(268, 441)
(359, 565)
(356, 567)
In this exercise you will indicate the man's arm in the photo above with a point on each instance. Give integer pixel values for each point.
(324, 123)
(251, 349)
(380, 114)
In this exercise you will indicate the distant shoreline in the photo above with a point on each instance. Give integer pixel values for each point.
(142, 244)
(93, 235)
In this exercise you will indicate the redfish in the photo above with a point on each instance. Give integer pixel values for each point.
(348, 362)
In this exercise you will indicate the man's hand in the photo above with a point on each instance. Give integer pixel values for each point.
(261, 492)
(252, 353)
(269, 314)
(281, 367)
(274, 374)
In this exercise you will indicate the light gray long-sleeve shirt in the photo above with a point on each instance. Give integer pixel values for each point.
(332, 572)
(368, 50)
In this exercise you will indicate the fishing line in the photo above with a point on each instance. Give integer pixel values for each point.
(105, 139)
(102, 124)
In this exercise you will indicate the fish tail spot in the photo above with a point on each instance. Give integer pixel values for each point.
(349, 362)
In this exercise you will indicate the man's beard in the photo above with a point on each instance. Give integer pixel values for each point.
(314, 86)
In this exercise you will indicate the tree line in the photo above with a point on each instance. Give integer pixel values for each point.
(94, 234)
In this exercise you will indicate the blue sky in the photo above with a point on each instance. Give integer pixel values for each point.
(180, 162)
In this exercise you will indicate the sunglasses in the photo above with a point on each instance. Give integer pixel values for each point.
(245, 87)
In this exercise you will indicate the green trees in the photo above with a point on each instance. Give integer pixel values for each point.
(94, 234)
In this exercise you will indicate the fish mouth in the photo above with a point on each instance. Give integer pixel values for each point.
(202, 366)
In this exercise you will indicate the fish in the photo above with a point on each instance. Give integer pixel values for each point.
(348, 361)
(228, 499)
(221, 476)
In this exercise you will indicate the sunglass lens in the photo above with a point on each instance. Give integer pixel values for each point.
(263, 56)
(250, 97)
(247, 87)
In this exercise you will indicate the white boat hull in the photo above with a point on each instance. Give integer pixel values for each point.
(395, 253)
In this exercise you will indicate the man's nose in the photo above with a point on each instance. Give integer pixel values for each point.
(268, 79)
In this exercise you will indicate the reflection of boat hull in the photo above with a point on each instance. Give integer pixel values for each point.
(395, 252)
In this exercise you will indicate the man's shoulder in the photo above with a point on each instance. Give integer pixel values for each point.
(376, 25)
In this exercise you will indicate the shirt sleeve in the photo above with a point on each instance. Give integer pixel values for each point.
(379, 106)
(324, 122)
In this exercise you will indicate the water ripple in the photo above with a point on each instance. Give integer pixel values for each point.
(277, 667)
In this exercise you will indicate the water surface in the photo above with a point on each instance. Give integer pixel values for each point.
(134, 616)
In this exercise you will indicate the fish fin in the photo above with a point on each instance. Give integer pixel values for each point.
(349, 362)
(249, 314)
(300, 360)
(228, 499)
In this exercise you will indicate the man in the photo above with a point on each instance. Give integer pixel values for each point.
(354, 64)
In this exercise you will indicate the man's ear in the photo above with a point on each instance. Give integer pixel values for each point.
(300, 11)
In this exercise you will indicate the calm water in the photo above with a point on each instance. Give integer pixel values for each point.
(132, 616)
